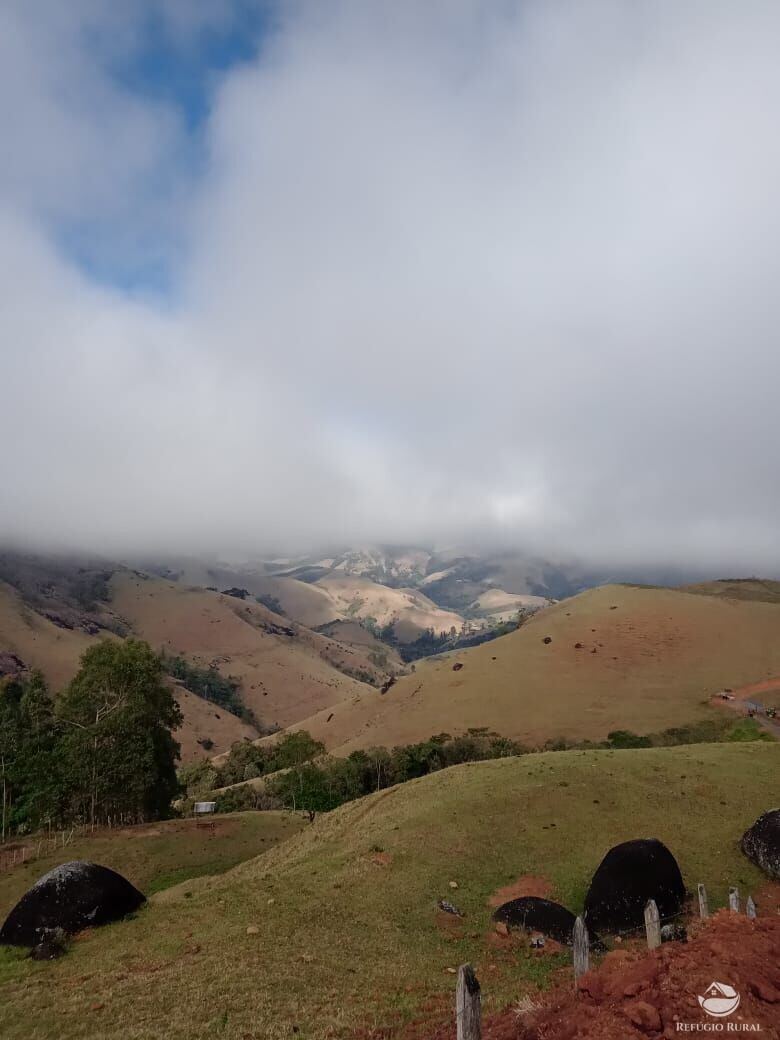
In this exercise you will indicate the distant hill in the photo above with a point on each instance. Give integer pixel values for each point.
(756, 589)
(619, 657)
(284, 669)
(53, 609)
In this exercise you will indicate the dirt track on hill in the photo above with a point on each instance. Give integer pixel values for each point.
(742, 693)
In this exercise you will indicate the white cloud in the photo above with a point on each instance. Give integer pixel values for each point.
(451, 271)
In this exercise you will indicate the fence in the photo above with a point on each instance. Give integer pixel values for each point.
(15, 855)
(468, 993)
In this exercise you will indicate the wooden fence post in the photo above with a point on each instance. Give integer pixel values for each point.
(704, 911)
(750, 907)
(581, 944)
(734, 900)
(652, 925)
(468, 1004)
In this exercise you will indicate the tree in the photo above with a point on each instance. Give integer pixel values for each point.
(27, 760)
(117, 749)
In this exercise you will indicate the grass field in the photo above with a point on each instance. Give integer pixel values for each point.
(155, 856)
(619, 658)
(348, 931)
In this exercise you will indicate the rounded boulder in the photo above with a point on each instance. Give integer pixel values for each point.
(537, 915)
(628, 877)
(68, 899)
(761, 843)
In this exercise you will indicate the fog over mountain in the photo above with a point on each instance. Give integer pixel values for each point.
(441, 272)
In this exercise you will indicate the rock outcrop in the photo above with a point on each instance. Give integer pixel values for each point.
(69, 898)
(761, 843)
(627, 878)
(537, 915)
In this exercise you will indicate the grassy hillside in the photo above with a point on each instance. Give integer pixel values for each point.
(286, 672)
(757, 589)
(649, 659)
(39, 642)
(348, 932)
(56, 652)
(411, 611)
(155, 856)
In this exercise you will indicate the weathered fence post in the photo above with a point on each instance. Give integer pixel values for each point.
(652, 925)
(581, 944)
(468, 1004)
(734, 900)
(704, 911)
(750, 907)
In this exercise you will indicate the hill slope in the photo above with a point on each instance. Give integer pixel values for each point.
(348, 936)
(649, 659)
(56, 652)
(286, 671)
(760, 589)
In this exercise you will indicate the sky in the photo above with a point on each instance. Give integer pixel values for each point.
(286, 273)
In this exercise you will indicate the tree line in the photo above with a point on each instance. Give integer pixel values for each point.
(103, 750)
(301, 776)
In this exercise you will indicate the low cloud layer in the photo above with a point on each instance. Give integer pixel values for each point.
(437, 272)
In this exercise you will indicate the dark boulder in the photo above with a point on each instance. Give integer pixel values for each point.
(761, 843)
(69, 898)
(627, 878)
(537, 915)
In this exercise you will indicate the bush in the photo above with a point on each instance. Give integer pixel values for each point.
(624, 738)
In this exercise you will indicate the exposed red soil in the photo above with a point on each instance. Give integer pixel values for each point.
(634, 994)
(757, 687)
(528, 885)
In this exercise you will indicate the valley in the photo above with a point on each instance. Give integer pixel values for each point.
(318, 906)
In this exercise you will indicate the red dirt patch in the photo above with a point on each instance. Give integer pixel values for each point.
(765, 686)
(528, 885)
(450, 925)
(634, 994)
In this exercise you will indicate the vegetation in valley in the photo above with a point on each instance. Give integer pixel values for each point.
(209, 684)
(272, 603)
(301, 776)
(430, 642)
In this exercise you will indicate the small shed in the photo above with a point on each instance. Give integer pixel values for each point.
(203, 809)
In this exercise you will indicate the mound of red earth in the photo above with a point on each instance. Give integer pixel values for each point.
(635, 994)
(629, 875)
(657, 994)
(761, 843)
(69, 898)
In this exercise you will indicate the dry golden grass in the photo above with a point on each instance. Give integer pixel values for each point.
(305, 603)
(348, 933)
(283, 678)
(57, 652)
(40, 644)
(412, 610)
(660, 655)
